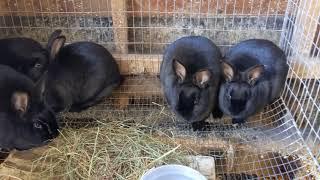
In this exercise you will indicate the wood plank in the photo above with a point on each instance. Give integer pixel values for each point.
(138, 88)
(18, 164)
(135, 64)
(55, 7)
(305, 27)
(143, 7)
(202, 7)
(120, 24)
(304, 67)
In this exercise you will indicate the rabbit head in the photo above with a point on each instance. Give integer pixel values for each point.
(239, 92)
(193, 92)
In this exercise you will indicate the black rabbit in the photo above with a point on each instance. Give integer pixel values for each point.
(190, 76)
(26, 55)
(254, 71)
(79, 75)
(25, 121)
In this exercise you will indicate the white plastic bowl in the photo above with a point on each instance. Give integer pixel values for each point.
(172, 172)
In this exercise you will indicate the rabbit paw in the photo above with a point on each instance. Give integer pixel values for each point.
(200, 126)
(217, 113)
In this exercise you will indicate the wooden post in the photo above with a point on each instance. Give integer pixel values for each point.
(120, 25)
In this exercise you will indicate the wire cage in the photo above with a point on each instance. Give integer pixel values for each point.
(281, 142)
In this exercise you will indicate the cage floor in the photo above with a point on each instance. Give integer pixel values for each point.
(262, 148)
(269, 145)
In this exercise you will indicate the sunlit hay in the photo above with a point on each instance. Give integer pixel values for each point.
(113, 150)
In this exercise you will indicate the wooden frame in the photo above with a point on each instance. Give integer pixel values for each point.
(306, 22)
(136, 64)
(120, 24)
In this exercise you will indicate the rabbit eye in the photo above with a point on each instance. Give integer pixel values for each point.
(37, 125)
(229, 96)
(37, 65)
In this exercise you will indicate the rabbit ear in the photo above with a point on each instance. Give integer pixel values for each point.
(202, 78)
(228, 71)
(19, 101)
(56, 45)
(254, 73)
(179, 69)
(52, 37)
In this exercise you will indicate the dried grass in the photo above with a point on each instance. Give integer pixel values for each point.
(114, 150)
(110, 147)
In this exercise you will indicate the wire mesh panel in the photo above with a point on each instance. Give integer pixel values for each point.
(300, 40)
(281, 142)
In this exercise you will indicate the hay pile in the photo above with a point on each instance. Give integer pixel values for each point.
(112, 150)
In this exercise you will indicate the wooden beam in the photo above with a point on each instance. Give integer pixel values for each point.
(120, 24)
(137, 88)
(55, 8)
(206, 7)
(305, 27)
(304, 67)
(144, 8)
(135, 64)
(19, 164)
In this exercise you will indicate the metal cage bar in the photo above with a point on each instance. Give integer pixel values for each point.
(284, 138)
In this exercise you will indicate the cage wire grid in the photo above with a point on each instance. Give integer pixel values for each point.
(281, 142)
